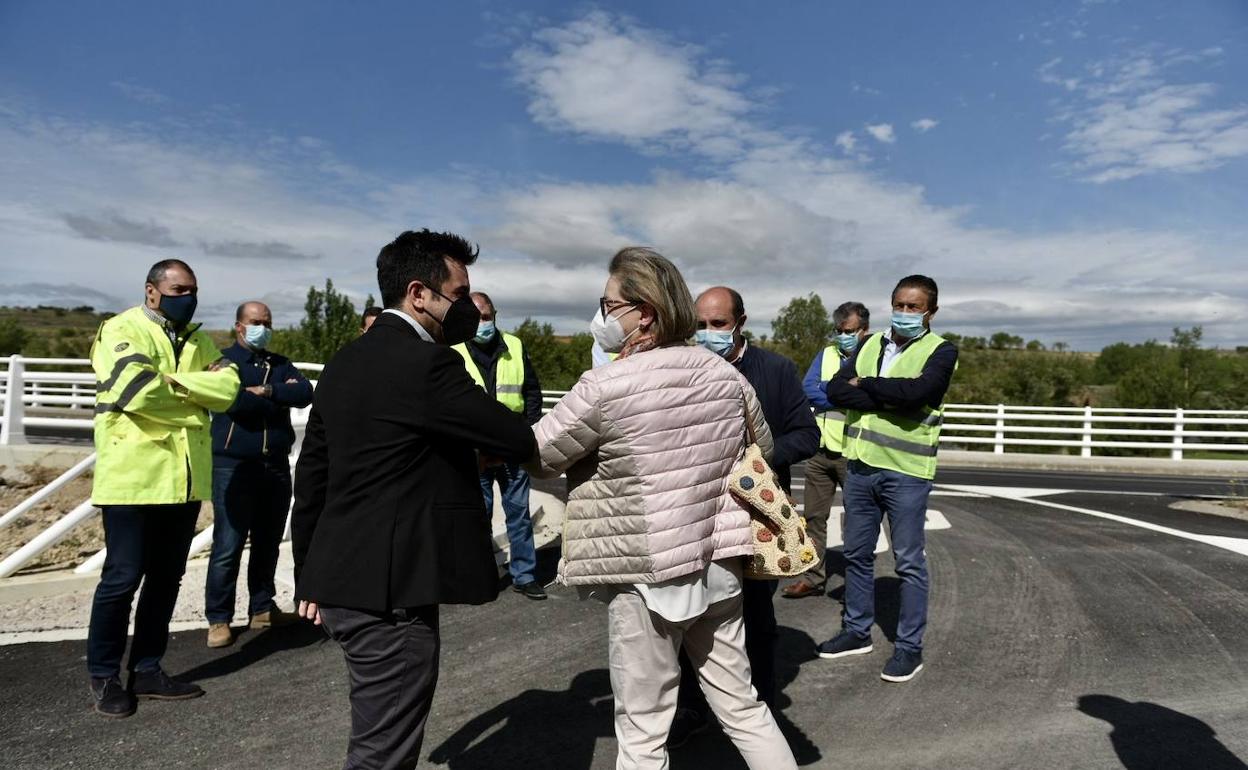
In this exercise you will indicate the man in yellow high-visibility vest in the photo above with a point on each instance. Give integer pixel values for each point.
(157, 376)
(893, 393)
(827, 469)
(497, 362)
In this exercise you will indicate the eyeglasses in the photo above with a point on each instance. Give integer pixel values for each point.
(606, 305)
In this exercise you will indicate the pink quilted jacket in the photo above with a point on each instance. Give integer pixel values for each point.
(648, 443)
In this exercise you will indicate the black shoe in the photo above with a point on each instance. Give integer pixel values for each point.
(111, 699)
(156, 685)
(902, 666)
(686, 724)
(844, 644)
(530, 591)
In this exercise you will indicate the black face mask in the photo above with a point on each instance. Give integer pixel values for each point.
(179, 309)
(461, 319)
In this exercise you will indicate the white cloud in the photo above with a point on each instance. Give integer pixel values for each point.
(1128, 118)
(605, 78)
(882, 132)
(778, 216)
(923, 125)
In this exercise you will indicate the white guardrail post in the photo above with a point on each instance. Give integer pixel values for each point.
(1085, 449)
(1176, 453)
(999, 447)
(13, 430)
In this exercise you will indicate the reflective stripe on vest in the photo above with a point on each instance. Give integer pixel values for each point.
(508, 372)
(831, 422)
(906, 442)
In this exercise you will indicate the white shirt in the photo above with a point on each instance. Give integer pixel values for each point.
(424, 334)
(892, 349)
(682, 598)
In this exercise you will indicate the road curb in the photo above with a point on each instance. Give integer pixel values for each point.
(1150, 466)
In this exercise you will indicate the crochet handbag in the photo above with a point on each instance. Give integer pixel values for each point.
(781, 546)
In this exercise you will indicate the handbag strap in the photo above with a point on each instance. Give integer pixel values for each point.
(749, 427)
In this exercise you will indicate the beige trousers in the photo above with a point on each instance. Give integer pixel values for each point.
(645, 676)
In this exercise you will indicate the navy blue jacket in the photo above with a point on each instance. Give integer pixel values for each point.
(255, 427)
(793, 427)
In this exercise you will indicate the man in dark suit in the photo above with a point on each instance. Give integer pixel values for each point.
(388, 521)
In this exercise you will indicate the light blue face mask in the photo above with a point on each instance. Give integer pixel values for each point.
(718, 342)
(485, 331)
(257, 335)
(848, 343)
(908, 325)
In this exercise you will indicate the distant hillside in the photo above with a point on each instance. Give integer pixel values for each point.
(57, 332)
(51, 332)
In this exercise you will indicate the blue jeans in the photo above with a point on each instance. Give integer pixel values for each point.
(250, 497)
(146, 544)
(515, 484)
(870, 494)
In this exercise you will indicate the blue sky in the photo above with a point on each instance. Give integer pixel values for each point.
(1073, 171)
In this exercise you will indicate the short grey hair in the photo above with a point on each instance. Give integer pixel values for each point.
(846, 309)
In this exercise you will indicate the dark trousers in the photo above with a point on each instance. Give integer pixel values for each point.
(824, 473)
(870, 495)
(758, 615)
(392, 664)
(146, 544)
(251, 497)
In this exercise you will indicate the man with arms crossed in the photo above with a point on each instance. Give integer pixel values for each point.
(158, 375)
(893, 393)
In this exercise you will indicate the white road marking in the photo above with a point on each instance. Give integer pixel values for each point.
(1237, 545)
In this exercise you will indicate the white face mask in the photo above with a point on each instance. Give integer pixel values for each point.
(609, 332)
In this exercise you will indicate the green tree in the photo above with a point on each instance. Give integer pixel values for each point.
(558, 361)
(329, 322)
(12, 337)
(1005, 341)
(802, 329)
(1035, 345)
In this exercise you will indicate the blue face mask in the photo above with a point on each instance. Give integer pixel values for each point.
(485, 331)
(908, 325)
(718, 342)
(848, 343)
(179, 309)
(257, 335)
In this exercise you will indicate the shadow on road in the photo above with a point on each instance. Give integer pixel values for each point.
(713, 749)
(537, 728)
(1146, 735)
(255, 649)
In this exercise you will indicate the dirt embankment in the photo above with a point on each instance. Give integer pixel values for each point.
(83, 541)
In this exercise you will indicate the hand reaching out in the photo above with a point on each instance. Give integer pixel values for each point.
(310, 611)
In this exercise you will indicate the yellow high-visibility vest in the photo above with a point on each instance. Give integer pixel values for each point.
(508, 372)
(906, 443)
(831, 422)
(152, 438)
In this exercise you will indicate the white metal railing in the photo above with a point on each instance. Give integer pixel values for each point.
(62, 399)
(62, 396)
(1086, 429)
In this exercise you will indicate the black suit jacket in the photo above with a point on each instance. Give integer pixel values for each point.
(388, 510)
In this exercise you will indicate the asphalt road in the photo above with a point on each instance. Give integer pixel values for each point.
(1057, 639)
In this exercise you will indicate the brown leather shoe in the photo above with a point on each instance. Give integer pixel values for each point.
(274, 618)
(801, 589)
(220, 635)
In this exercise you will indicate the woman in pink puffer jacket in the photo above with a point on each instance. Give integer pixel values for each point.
(648, 443)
